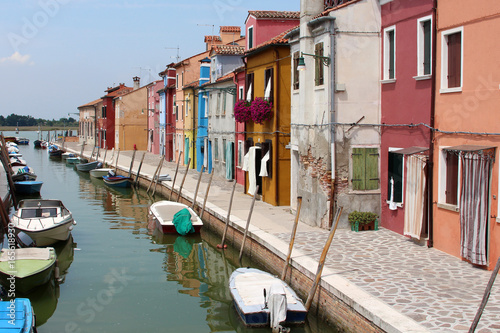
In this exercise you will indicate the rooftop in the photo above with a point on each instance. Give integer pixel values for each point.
(91, 103)
(228, 50)
(273, 14)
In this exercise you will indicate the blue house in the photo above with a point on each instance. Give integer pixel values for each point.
(203, 145)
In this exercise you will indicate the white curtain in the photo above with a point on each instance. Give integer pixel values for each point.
(249, 93)
(252, 172)
(414, 196)
(474, 194)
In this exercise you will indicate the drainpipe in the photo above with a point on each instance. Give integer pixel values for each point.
(430, 168)
(276, 127)
(331, 97)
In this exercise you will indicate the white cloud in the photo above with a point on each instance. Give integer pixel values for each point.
(16, 58)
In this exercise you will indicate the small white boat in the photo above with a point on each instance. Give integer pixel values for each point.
(45, 221)
(86, 167)
(23, 173)
(164, 178)
(66, 155)
(99, 173)
(163, 212)
(262, 299)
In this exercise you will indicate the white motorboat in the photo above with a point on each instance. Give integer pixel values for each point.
(163, 212)
(99, 173)
(45, 221)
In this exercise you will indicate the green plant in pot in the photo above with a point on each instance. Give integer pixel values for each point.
(361, 219)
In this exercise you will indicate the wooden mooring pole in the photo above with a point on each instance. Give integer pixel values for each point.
(104, 159)
(175, 176)
(158, 176)
(160, 162)
(222, 245)
(292, 238)
(322, 261)
(131, 164)
(183, 179)
(248, 223)
(197, 186)
(139, 170)
(116, 162)
(206, 194)
(485, 297)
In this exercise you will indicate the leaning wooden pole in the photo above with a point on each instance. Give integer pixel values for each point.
(116, 162)
(292, 238)
(175, 177)
(222, 245)
(104, 159)
(322, 261)
(158, 177)
(139, 170)
(248, 223)
(5, 217)
(485, 297)
(206, 195)
(131, 164)
(197, 186)
(183, 179)
(160, 162)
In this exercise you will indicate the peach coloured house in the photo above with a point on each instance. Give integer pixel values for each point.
(466, 168)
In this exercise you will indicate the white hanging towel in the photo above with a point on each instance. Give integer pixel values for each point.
(252, 173)
(249, 93)
(267, 92)
(263, 165)
(245, 161)
(392, 204)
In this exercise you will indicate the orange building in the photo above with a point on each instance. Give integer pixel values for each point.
(466, 167)
(268, 76)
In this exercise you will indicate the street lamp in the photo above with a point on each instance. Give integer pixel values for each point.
(301, 66)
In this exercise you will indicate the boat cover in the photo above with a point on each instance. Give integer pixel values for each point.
(182, 222)
(277, 305)
(33, 253)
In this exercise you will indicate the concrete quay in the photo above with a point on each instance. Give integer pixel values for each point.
(395, 284)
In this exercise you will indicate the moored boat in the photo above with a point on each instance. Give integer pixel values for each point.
(22, 141)
(46, 221)
(17, 315)
(67, 154)
(32, 267)
(256, 295)
(117, 181)
(164, 212)
(44, 145)
(99, 173)
(37, 143)
(54, 151)
(28, 186)
(86, 167)
(16, 161)
(23, 173)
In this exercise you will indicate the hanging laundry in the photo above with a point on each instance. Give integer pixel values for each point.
(252, 173)
(263, 165)
(392, 204)
(245, 161)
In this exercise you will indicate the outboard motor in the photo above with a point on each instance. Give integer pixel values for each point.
(23, 240)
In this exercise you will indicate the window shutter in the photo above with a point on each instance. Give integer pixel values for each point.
(318, 75)
(451, 178)
(295, 70)
(371, 169)
(454, 59)
(358, 169)
(391, 55)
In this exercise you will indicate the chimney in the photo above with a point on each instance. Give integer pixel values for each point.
(310, 8)
(137, 82)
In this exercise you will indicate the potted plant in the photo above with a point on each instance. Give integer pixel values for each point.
(242, 112)
(261, 110)
(360, 221)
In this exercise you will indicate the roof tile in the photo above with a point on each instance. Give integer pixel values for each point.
(273, 14)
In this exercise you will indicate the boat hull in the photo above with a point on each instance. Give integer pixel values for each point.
(117, 181)
(24, 317)
(49, 236)
(162, 213)
(24, 283)
(86, 167)
(99, 173)
(255, 313)
(28, 186)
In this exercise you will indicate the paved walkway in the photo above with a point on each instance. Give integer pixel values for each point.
(399, 285)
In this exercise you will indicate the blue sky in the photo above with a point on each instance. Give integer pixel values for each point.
(56, 55)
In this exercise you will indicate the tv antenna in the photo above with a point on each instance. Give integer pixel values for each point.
(177, 57)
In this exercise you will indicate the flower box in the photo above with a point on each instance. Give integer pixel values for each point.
(361, 221)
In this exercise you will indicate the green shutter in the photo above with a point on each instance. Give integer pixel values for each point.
(358, 169)
(371, 169)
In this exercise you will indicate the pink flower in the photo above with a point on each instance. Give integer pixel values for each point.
(242, 112)
(261, 110)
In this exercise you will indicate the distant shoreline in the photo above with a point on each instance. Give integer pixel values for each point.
(35, 128)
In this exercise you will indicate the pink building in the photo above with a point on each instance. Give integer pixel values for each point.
(407, 82)
(239, 152)
(262, 25)
(154, 116)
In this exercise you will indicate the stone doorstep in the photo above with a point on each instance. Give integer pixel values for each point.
(374, 310)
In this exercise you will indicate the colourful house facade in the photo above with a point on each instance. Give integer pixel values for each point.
(167, 115)
(406, 98)
(203, 145)
(154, 116)
(466, 171)
(263, 25)
(240, 127)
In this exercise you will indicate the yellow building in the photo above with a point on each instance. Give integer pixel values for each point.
(269, 77)
(131, 119)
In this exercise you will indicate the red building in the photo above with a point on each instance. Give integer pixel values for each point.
(167, 112)
(408, 31)
(262, 25)
(106, 123)
(239, 154)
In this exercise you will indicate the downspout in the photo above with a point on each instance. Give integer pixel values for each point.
(430, 169)
(276, 127)
(331, 98)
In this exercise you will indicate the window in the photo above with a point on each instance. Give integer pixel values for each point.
(269, 84)
(319, 67)
(224, 150)
(365, 169)
(223, 110)
(219, 106)
(240, 153)
(395, 172)
(424, 43)
(249, 85)
(104, 112)
(216, 149)
(240, 94)
(451, 191)
(451, 60)
(295, 70)
(389, 53)
(250, 37)
(177, 81)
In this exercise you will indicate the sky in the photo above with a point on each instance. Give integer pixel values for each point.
(56, 55)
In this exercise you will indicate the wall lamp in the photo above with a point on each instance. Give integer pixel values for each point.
(302, 64)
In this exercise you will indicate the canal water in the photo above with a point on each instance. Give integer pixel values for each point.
(118, 275)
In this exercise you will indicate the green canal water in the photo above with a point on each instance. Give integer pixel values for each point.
(120, 276)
